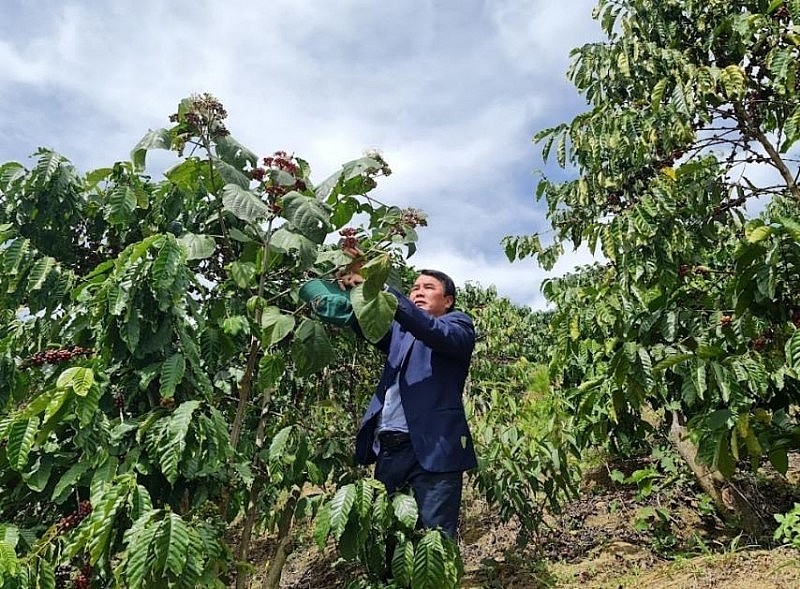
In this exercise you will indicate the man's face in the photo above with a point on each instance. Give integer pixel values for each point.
(428, 294)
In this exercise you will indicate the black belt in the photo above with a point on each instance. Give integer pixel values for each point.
(389, 439)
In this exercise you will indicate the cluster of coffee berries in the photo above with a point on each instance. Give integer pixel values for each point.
(63, 574)
(83, 580)
(66, 523)
(57, 356)
(725, 320)
(685, 270)
(278, 161)
(281, 160)
(409, 219)
(414, 218)
(378, 157)
(349, 239)
(781, 14)
(204, 112)
(119, 400)
(763, 340)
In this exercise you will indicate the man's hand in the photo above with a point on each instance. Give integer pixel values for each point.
(350, 276)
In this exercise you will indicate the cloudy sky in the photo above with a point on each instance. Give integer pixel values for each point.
(450, 92)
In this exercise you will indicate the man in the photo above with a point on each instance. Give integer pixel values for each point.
(414, 428)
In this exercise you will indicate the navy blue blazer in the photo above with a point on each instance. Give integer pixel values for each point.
(431, 356)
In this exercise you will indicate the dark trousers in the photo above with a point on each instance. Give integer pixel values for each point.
(438, 494)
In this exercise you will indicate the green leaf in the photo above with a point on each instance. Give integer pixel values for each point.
(721, 378)
(66, 483)
(243, 274)
(403, 563)
(21, 435)
(39, 272)
(792, 129)
(339, 509)
(723, 458)
(794, 10)
(671, 360)
(39, 475)
(87, 406)
(138, 557)
(311, 348)
(117, 299)
(276, 325)
(237, 155)
(165, 266)
(561, 150)
(375, 315)
(759, 233)
(779, 460)
(231, 175)
(14, 254)
(121, 203)
(9, 534)
(9, 565)
(733, 81)
(310, 216)
(102, 521)
(198, 247)
(78, 378)
(322, 526)
(344, 210)
(153, 139)
(48, 164)
(171, 545)
(270, 370)
(243, 204)
(375, 272)
(235, 325)
(59, 395)
(287, 241)
(657, 95)
(10, 174)
(429, 567)
(172, 371)
(405, 510)
(174, 445)
(793, 350)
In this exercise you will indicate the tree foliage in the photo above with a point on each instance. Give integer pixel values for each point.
(159, 374)
(694, 312)
(379, 531)
(521, 430)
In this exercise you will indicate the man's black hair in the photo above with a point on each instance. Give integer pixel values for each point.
(447, 282)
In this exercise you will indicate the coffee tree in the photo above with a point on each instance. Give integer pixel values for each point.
(159, 375)
(693, 121)
(522, 432)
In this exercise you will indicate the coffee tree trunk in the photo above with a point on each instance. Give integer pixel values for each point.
(730, 502)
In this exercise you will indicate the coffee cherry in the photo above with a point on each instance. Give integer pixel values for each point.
(68, 522)
(63, 573)
(56, 356)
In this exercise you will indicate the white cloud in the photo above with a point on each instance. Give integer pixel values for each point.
(534, 33)
(450, 92)
(520, 281)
